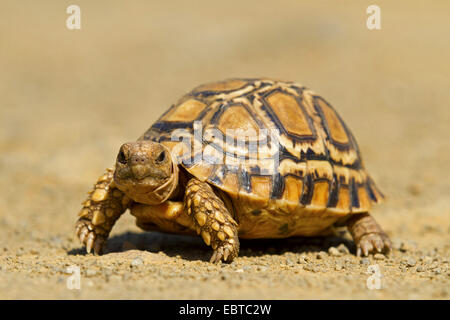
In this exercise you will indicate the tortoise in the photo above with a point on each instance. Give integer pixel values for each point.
(240, 158)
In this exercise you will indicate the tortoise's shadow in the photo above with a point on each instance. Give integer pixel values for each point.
(193, 248)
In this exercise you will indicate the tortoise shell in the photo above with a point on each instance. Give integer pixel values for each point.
(302, 156)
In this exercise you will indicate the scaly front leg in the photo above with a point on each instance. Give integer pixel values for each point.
(100, 211)
(212, 220)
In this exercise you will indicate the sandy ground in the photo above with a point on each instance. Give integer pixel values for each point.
(68, 99)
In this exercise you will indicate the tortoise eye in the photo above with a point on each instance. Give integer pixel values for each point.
(121, 157)
(161, 157)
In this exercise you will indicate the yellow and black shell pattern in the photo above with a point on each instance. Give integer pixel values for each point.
(302, 156)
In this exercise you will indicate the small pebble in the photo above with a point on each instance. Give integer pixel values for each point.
(20, 252)
(321, 255)
(334, 252)
(308, 267)
(343, 248)
(348, 260)
(136, 262)
(420, 269)
(379, 256)
(410, 262)
(435, 263)
(364, 261)
(107, 271)
(408, 246)
(427, 260)
(261, 268)
(90, 272)
(311, 267)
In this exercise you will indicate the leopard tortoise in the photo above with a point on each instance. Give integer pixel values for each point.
(248, 158)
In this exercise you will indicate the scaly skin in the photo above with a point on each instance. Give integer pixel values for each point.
(212, 220)
(100, 211)
(367, 234)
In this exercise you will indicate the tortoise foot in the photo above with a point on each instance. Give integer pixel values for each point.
(226, 252)
(86, 234)
(373, 242)
(368, 235)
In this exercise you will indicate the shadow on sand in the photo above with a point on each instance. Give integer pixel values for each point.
(192, 248)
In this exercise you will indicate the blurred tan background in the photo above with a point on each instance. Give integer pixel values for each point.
(70, 98)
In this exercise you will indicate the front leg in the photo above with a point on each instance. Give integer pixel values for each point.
(212, 220)
(100, 211)
(367, 234)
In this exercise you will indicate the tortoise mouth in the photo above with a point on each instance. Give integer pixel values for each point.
(149, 194)
(138, 178)
(147, 184)
(142, 185)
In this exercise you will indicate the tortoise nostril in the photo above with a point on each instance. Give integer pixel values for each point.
(138, 160)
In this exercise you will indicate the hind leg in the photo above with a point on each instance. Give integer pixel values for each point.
(367, 234)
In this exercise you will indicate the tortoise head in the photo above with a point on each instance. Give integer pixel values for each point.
(146, 172)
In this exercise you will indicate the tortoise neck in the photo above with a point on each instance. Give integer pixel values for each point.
(178, 193)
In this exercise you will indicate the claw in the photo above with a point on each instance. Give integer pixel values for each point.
(367, 247)
(379, 245)
(87, 236)
(387, 244)
(213, 257)
(226, 254)
(375, 242)
(90, 242)
(83, 233)
(78, 229)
